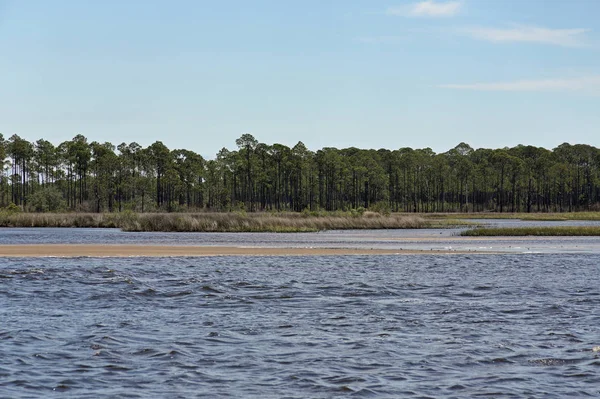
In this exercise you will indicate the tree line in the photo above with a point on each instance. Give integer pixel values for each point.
(79, 175)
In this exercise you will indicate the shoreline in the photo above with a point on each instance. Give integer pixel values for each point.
(118, 251)
(271, 222)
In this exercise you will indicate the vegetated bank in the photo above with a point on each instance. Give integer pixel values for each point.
(264, 222)
(533, 231)
(82, 175)
(219, 222)
(540, 216)
(269, 221)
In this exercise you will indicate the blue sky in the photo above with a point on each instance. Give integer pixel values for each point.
(340, 73)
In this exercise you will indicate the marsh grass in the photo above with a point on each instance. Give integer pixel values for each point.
(216, 222)
(55, 220)
(562, 216)
(265, 222)
(534, 231)
(99, 220)
(280, 221)
(449, 223)
(553, 216)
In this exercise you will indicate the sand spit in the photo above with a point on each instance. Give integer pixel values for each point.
(98, 250)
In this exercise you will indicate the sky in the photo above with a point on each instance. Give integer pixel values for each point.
(198, 74)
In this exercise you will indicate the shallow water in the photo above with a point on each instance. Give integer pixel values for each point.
(446, 240)
(500, 326)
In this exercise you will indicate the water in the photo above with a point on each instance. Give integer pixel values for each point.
(495, 326)
(409, 239)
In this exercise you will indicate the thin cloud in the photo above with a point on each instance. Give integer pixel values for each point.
(428, 8)
(530, 34)
(380, 39)
(581, 84)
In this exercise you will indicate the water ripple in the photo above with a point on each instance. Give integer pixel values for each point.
(425, 326)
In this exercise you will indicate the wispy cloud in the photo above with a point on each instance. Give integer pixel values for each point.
(380, 39)
(530, 34)
(428, 8)
(583, 84)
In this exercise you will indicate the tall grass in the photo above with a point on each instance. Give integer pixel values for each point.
(551, 216)
(216, 222)
(534, 231)
(562, 216)
(261, 222)
(56, 220)
(289, 221)
(103, 220)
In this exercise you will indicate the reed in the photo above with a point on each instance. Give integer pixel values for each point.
(216, 222)
(534, 231)
(99, 220)
(562, 216)
(264, 222)
(551, 216)
(54, 220)
(449, 223)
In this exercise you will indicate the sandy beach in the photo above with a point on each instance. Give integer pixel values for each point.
(98, 250)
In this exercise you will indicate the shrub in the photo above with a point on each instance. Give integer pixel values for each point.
(47, 199)
(381, 207)
(357, 212)
(11, 209)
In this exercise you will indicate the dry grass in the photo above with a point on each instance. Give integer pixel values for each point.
(562, 216)
(264, 222)
(288, 221)
(58, 220)
(449, 223)
(551, 216)
(534, 231)
(216, 222)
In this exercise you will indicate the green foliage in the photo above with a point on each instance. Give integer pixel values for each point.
(99, 177)
(47, 199)
(11, 209)
(357, 212)
(381, 207)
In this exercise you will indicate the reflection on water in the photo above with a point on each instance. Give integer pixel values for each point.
(499, 326)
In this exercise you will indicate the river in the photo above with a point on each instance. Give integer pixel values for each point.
(513, 325)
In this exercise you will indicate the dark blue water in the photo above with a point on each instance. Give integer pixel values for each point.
(494, 326)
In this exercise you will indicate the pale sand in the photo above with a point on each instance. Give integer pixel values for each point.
(99, 250)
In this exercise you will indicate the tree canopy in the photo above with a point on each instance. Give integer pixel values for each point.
(80, 175)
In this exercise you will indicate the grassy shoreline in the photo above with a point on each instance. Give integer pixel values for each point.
(550, 216)
(276, 222)
(218, 222)
(264, 222)
(545, 231)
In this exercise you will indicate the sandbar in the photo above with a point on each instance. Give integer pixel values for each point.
(115, 250)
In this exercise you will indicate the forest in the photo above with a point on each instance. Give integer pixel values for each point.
(83, 176)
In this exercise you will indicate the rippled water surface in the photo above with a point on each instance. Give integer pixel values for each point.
(445, 240)
(494, 326)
